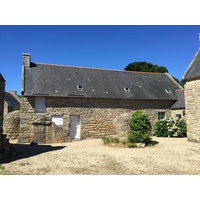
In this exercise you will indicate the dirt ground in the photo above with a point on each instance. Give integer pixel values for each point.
(170, 156)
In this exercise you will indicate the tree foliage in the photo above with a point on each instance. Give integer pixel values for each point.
(140, 126)
(145, 67)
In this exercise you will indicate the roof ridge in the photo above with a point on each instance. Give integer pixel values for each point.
(92, 68)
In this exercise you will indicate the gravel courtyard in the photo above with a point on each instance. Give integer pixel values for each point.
(170, 156)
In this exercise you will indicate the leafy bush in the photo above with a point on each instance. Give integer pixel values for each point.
(170, 128)
(140, 126)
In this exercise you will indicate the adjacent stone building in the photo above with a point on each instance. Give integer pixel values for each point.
(192, 98)
(11, 101)
(60, 103)
(5, 146)
(178, 109)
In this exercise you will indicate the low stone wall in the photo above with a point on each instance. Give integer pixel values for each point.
(98, 117)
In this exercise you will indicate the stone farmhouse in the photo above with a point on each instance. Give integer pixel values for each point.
(61, 103)
(192, 98)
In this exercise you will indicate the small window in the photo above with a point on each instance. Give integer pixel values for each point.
(58, 120)
(80, 87)
(127, 89)
(178, 116)
(168, 90)
(40, 104)
(161, 115)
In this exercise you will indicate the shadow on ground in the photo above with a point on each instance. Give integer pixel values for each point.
(153, 143)
(21, 151)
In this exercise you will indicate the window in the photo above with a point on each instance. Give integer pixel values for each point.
(40, 104)
(80, 87)
(161, 115)
(58, 120)
(168, 90)
(127, 89)
(178, 116)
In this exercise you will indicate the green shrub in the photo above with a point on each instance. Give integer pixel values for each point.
(138, 137)
(182, 129)
(170, 128)
(140, 126)
(140, 122)
(106, 140)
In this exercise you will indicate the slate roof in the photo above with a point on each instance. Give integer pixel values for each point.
(11, 100)
(62, 81)
(193, 71)
(180, 104)
(1, 78)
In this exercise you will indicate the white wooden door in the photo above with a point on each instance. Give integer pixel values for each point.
(75, 127)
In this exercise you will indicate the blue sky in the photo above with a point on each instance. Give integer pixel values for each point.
(96, 46)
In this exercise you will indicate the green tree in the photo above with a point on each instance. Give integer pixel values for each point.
(145, 67)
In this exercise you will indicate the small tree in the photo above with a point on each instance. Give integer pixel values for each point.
(140, 126)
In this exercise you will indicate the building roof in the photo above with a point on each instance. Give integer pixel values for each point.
(193, 71)
(11, 100)
(1, 78)
(67, 81)
(180, 104)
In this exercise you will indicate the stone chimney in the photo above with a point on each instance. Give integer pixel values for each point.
(26, 59)
(26, 63)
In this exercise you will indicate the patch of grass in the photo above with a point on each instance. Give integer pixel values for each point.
(24, 164)
(125, 141)
(2, 167)
(44, 169)
(116, 142)
(106, 140)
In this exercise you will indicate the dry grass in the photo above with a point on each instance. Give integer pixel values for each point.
(170, 156)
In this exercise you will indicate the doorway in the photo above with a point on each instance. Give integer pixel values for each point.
(75, 127)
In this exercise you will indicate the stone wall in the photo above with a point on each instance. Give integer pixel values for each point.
(5, 146)
(180, 112)
(11, 124)
(2, 90)
(99, 117)
(192, 104)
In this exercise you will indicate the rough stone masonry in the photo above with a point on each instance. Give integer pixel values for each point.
(5, 146)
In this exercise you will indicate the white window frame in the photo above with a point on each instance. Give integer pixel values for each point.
(57, 119)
